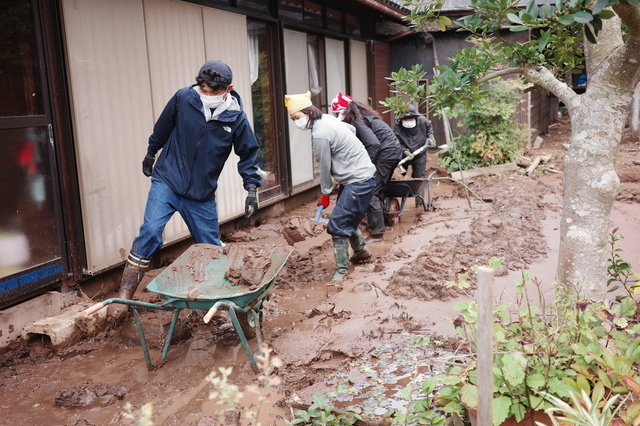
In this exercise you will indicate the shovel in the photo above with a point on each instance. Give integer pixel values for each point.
(400, 168)
(319, 218)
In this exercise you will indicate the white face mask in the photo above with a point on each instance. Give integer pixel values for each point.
(302, 122)
(408, 124)
(212, 101)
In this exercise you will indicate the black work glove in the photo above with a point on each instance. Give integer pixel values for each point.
(251, 203)
(147, 164)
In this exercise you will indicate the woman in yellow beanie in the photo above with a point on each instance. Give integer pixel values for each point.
(343, 158)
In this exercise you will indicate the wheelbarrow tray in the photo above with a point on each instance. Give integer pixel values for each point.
(198, 278)
(212, 278)
(405, 188)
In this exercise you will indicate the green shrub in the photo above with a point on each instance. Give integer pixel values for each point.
(490, 134)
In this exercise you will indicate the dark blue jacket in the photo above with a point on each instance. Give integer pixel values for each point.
(194, 151)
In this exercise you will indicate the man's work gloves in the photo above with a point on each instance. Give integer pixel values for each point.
(251, 203)
(147, 165)
(408, 154)
(324, 201)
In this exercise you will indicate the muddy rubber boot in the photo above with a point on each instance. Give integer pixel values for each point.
(130, 279)
(358, 244)
(341, 250)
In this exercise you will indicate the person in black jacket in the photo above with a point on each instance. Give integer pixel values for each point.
(194, 134)
(413, 130)
(383, 148)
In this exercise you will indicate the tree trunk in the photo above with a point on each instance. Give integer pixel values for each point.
(590, 187)
(598, 118)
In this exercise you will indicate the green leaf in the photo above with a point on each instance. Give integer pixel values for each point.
(582, 17)
(526, 17)
(501, 406)
(566, 20)
(514, 18)
(469, 395)
(542, 43)
(600, 6)
(536, 381)
(513, 371)
(589, 35)
(606, 14)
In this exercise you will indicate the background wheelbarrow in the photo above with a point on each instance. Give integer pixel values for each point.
(236, 279)
(403, 189)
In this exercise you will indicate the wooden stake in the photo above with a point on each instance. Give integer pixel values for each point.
(484, 297)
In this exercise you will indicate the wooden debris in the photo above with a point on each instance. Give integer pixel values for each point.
(485, 171)
(538, 142)
(536, 161)
(523, 161)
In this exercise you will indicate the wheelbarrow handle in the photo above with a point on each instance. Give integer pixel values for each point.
(210, 314)
(93, 309)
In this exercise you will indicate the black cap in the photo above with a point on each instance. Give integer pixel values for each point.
(411, 113)
(225, 76)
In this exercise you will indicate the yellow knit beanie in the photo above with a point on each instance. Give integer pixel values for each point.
(295, 103)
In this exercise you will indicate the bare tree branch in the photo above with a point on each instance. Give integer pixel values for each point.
(545, 79)
(497, 74)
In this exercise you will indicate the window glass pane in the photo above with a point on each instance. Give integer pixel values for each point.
(353, 25)
(20, 89)
(290, 9)
(27, 222)
(334, 20)
(317, 76)
(260, 6)
(313, 13)
(263, 113)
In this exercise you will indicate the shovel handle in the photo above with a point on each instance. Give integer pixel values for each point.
(93, 309)
(210, 314)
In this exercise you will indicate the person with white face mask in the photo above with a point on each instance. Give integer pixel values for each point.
(412, 131)
(195, 133)
(343, 158)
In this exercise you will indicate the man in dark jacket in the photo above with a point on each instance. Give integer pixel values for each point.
(412, 131)
(195, 134)
(383, 148)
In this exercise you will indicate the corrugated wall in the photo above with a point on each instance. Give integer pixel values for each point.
(112, 118)
(358, 65)
(297, 81)
(126, 59)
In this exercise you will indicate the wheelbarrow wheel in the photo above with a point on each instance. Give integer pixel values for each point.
(247, 323)
(392, 214)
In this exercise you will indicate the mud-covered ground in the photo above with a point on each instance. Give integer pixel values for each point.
(322, 331)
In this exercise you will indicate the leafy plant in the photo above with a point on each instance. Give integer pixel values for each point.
(490, 134)
(548, 353)
(322, 413)
(583, 411)
(230, 395)
(620, 272)
(141, 417)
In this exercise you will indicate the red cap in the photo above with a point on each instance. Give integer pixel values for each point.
(340, 102)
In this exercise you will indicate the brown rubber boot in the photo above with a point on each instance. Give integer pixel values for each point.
(358, 244)
(130, 279)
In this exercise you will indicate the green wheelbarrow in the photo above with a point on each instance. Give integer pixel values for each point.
(235, 279)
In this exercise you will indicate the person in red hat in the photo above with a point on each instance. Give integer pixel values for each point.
(383, 148)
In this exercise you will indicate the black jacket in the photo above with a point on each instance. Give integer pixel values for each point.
(378, 139)
(415, 138)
